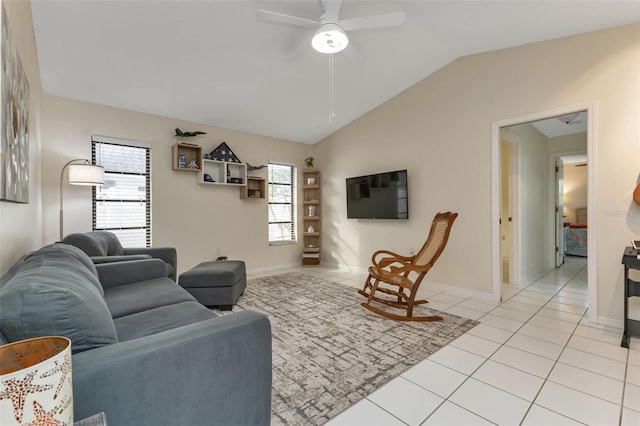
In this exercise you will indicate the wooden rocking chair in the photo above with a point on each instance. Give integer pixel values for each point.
(394, 270)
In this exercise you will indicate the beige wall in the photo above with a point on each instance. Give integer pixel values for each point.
(440, 130)
(196, 219)
(575, 190)
(21, 224)
(574, 143)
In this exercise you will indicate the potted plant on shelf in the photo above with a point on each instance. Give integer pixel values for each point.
(309, 162)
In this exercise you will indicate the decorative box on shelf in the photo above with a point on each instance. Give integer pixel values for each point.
(310, 258)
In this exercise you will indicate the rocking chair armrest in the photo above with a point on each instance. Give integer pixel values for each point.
(388, 260)
(394, 271)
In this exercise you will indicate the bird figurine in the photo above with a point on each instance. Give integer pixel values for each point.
(182, 134)
(250, 167)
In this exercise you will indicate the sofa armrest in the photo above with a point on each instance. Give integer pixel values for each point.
(114, 274)
(168, 254)
(217, 371)
(108, 259)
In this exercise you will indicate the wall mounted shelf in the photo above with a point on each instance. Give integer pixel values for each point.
(223, 173)
(311, 216)
(255, 189)
(182, 154)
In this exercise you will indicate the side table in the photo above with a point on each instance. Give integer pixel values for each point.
(631, 288)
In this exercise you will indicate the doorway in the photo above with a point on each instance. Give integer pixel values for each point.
(532, 223)
(572, 220)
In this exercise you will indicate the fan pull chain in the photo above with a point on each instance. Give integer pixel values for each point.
(332, 112)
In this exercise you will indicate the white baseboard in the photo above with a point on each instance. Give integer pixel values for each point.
(610, 322)
(273, 267)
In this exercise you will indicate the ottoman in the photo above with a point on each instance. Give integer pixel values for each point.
(217, 283)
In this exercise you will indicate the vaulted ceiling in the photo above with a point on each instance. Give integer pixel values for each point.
(212, 62)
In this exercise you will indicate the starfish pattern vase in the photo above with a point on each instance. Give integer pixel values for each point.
(35, 382)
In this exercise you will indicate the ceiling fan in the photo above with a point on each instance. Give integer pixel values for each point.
(570, 119)
(331, 31)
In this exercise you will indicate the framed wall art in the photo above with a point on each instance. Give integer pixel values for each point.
(14, 144)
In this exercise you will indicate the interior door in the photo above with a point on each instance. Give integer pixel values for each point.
(505, 214)
(559, 213)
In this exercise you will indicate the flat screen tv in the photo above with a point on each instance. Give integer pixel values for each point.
(378, 196)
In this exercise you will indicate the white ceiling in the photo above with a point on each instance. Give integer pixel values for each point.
(562, 125)
(211, 62)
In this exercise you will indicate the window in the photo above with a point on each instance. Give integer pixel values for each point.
(123, 204)
(281, 188)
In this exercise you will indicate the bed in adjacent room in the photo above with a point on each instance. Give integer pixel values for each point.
(575, 235)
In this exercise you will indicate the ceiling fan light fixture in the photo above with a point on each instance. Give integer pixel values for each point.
(330, 38)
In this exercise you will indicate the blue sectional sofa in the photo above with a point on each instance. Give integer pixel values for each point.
(145, 352)
(104, 247)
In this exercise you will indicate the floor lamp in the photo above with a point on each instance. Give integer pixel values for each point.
(81, 172)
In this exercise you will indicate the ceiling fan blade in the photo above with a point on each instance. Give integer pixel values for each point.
(281, 18)
(393, 19)
(332, 10)
(352, 54)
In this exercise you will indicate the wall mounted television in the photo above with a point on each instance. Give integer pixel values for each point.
(378, 196)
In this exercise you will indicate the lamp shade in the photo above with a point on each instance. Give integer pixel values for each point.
(330, 38)
(86, 174)
(35, 382)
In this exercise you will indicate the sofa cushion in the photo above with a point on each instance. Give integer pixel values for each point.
(96, 243)
(144, 295)
(55, 291)
(162, 318)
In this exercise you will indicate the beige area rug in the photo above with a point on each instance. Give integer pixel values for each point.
(328, 351)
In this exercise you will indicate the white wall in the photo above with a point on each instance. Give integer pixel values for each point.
(196, 219)
(21, 224)
(440, 130)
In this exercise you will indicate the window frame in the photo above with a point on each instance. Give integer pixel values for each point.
(95, 158)
(293, 202)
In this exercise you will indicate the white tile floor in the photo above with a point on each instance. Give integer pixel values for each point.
(535, 359)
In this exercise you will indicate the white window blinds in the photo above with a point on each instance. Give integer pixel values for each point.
(123, 204)
(281, 189)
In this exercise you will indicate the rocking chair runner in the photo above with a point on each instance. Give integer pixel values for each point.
(394, 270)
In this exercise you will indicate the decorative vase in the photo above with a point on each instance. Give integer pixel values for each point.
(312, 210)
(35, 382)
(310, 229)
